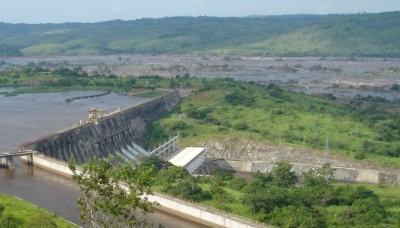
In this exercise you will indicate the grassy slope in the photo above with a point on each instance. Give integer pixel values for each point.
(292, 117)
(296, 35)
(24, 211)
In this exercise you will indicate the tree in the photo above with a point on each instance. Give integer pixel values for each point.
(319, 177)
(283, 176)
(301, 216)
(237, 183)
(156, 162)
(168, 176)
(327, 172)
(112, 193)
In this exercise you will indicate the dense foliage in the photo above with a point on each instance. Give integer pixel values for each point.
(280, 197)
(54, 78)
(288, 35)
(113, 193)
(8, 50)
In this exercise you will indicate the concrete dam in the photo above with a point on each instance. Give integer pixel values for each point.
(123, 133)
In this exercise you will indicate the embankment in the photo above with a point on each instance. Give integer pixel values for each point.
(247, 156)
(112, 134)
(341, 173)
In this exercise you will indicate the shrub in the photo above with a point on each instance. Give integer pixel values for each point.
(242, 126)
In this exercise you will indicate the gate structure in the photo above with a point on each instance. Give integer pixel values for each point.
(168, 149)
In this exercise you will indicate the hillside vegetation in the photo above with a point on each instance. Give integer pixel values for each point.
(230, 109)
(281, 198)
(294, 35)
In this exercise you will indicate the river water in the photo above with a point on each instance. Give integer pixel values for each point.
(29, 116)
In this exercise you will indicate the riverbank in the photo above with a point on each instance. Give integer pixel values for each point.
(205, 216)
(24, 212)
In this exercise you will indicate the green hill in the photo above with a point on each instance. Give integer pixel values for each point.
(8, 50)
(289, 35)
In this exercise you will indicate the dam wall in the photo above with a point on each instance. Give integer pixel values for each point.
(114, 134)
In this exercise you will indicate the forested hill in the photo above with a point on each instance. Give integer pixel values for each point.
(373, 35)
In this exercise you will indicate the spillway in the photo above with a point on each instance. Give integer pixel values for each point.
(121, 133)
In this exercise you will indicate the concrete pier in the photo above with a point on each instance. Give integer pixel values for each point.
(7, 158)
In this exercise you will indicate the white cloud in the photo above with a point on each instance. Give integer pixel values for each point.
(326, 7)
(118, 9)
(361, 6)
(196, 4)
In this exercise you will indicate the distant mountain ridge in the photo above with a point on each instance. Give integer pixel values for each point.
(367, 35)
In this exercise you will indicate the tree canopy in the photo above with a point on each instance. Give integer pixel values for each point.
(113, 193)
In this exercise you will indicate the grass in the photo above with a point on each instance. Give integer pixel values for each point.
(24, 211)
(151, 94)
(291, 116)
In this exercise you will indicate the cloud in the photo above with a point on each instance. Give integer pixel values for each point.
(361, 5)
(195, 4)
(326, 7)
(118, 9)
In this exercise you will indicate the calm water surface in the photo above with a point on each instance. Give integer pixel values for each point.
(29, 116)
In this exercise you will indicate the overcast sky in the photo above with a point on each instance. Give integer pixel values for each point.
(59, 11)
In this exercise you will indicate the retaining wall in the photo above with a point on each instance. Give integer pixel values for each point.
(51, 164)
(219, 218)
(111, 135)
(342, 173)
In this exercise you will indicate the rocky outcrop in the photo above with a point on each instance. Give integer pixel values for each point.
(246, 150)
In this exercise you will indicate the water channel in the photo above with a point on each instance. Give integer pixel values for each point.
(29, 116)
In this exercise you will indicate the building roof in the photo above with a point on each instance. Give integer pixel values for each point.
(186, 156)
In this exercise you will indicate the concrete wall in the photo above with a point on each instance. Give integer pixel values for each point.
(50, 164)
(217, 217)
(342, 173)
(113, 133)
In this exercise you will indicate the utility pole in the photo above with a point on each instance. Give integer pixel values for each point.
(326, 157)
(279, 154)
(302, 150)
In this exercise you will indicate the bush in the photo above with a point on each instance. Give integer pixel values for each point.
(225, 174)
(359, 156)
(179, 126)
(198, 114)
(242, 126)
(237, 183)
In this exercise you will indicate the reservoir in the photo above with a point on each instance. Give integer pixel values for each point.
(27, 117)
